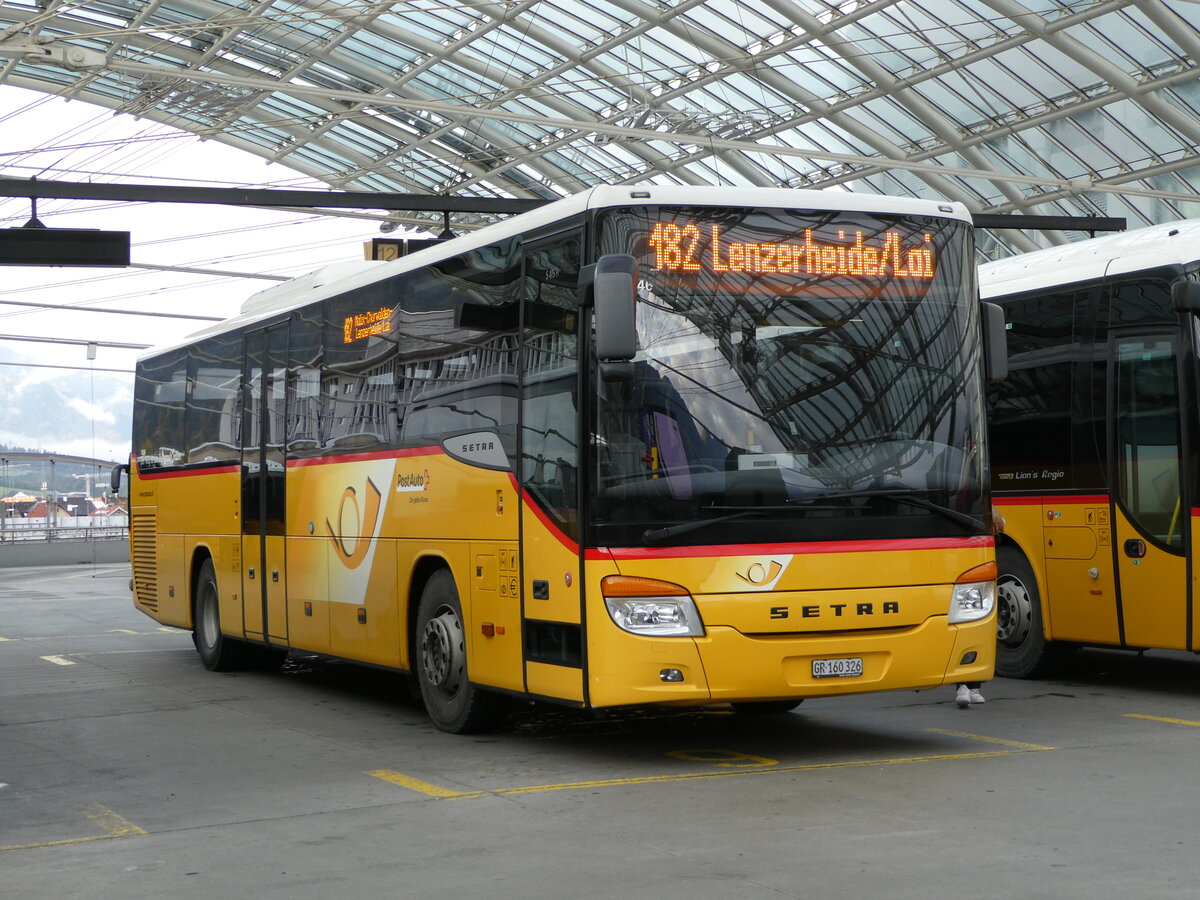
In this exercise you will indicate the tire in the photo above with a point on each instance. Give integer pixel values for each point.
(218, 652)
(452, 701)
(1022, 650)
(765, 707)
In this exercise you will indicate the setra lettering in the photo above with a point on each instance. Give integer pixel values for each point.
(837, 610)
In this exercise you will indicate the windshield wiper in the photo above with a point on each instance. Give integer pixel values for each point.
(654, 535)
(904, 496)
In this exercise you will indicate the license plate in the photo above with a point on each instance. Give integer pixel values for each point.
(847, 667)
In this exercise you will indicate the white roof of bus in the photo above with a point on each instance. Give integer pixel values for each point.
(341, 277)
(1129, 251)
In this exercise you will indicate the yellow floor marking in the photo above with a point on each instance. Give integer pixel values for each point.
(113, 825)
(1163, 719)
(58, 660)
(122, 631)
(433, 790)
(423, 787)
(991, 740)
(5, 639)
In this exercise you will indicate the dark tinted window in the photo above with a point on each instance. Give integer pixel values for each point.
(304, 384)
(1030, 411)
(160, 392)
(357, 389)
(549, 428)
(213, 416)
(456, 332)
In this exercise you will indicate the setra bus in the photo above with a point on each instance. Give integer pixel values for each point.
(1093, 439)
(654, 445)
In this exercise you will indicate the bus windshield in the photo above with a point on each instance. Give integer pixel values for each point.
(801, 375)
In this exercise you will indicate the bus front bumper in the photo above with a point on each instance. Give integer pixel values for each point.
(726, 666)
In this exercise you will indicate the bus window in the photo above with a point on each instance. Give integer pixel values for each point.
(213, 417)
(550, 452)
(1146, 422)
(160, 390)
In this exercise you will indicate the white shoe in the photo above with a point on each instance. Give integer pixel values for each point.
(963, 696)
(975, 697)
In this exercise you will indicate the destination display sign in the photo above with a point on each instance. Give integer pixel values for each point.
(368, 324)
(682, 247)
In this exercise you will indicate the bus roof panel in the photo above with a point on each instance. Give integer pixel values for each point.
(1172, 243)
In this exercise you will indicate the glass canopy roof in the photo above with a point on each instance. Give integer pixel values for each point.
(1040, 107)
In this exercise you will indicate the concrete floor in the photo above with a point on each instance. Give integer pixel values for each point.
(128, 771)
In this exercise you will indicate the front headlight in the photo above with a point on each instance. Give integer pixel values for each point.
(649, 607)
(972, 601)
(973, 596)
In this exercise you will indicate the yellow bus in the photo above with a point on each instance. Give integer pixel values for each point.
(1093, 438)
(651, 445)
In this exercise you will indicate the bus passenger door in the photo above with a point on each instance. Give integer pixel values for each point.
(263, 479)
(548, 471)
(1151, 521)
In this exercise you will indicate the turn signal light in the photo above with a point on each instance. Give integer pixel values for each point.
(986, 572)
(633, 586)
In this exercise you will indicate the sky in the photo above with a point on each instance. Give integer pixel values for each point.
(55, 139)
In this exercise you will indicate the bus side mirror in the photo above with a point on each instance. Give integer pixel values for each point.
(118, 480)
(1186, 295)
(614, 293)
(995, 343)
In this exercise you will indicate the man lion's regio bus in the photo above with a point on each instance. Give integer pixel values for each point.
(660, 445)
(1094, 439)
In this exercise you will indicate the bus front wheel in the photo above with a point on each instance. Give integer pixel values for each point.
(218, 652)
(1022, 650)
(453, 703)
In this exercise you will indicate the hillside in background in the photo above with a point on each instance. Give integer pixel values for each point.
(80, 413)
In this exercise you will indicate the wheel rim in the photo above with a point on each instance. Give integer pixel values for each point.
(443, 653)
(209, 627)
(1014, 612)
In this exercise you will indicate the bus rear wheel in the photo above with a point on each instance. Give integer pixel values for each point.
(1022, 650)
(218, 652)
(452, 701)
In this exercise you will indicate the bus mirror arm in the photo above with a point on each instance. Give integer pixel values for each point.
(1186, 296)
(614, 314)
(995, 343)
(119, 479)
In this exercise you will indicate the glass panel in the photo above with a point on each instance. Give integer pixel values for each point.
(358, 379)
(253, 515)
(796, 372)
(213, 412)
(456, 330)
(304, 384)
(160, 388)
(550, 371)
(275, 418)
(1030, 411)
(1146, 421)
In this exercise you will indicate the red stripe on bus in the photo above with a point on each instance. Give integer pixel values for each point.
(183, 473)
(363, 457)
(865, 546)
(541, 516)
(1055, 499)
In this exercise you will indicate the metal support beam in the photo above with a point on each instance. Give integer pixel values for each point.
(1048, 223)
(156, 193)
